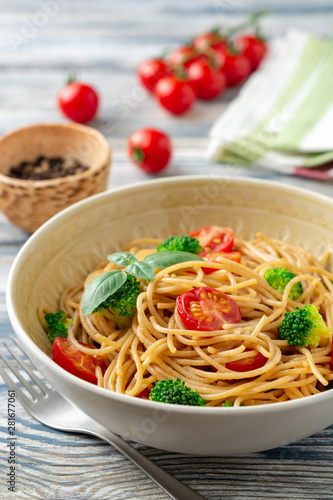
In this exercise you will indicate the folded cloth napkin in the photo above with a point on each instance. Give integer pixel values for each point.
(282, 119)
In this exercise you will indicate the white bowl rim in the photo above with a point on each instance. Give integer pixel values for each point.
(193, 410)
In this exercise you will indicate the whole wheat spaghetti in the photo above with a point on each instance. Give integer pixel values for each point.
(157, 346)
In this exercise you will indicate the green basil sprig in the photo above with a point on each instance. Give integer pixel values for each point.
(107, 284)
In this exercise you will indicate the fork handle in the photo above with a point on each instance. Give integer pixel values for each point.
(174, 488)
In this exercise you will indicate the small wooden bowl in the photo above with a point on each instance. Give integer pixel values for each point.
(30, 203)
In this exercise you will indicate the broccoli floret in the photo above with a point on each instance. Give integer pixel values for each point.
(304, 327)
(57, 325)
(175, 392)
(279, 277)
(121, 305)
(227, 403)
(180, 244)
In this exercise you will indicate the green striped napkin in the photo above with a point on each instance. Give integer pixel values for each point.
(282, 119)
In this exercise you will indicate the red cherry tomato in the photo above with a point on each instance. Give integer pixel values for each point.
(253, 48)
(247, 364)
(208, 39)
(174, 94)
(211, 43)
(236, 68)
(212, 257)
(182, 56)
(207, 309)
(218, 239)
(207, 82)
(77, 363)
(144, 394)
(151, 71)
(78, 101)
(150, 149)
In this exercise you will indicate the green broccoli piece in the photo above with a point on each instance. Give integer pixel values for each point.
(227, 403)
(180, 244)
(120, 306)
(304, 327)
(57, 325)
(175, 392)
(279, 277)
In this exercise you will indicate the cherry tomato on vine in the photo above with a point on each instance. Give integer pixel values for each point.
(207, 309)
(247, 364)
(253, 48)
(151, 71)
(150, 149)
(215, 238)
(208, 39)
(236, 68)
(182, 56)
(213, 45)
(174, 94)
(206, 81)
(78, 101)
(77, 363)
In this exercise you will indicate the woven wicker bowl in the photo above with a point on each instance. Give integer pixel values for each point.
(29, 203)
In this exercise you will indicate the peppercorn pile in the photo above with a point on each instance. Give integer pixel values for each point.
(46, 168)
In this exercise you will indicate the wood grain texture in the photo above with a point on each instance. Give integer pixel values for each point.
(105, 41)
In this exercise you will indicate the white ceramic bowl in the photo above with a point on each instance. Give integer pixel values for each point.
(64, 249)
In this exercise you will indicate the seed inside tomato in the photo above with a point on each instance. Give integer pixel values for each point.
(207, 309)
(215, 238)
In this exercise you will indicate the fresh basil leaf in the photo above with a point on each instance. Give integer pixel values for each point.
(141, 270)
(169, 258)
(122, 258)
(100, 288)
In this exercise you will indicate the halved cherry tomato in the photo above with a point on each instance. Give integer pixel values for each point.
(77, 363)
(247, 364)
(144, 394)
(218, 239)
(212, 257)
(207, 309)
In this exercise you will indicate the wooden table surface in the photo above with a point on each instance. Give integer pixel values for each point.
(104, 41)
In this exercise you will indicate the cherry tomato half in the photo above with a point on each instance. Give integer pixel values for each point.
(78, 101)
(206, 81)
(213, 256)
(247, 364)
(207, 309)
(253, 48)
(218, 239)
(151, 71)
(77, 363)
(144, 394)
(174, 94)
(150, 149)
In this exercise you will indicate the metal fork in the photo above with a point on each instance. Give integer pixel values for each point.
(51, 409)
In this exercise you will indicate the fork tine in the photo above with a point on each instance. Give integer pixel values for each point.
(27, 385)
(38, 381)
(26, 402)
